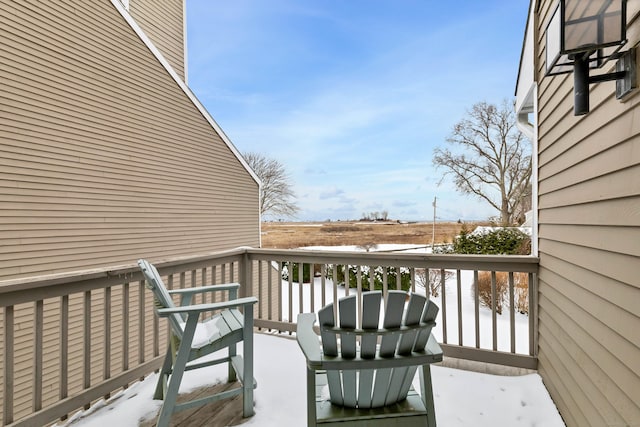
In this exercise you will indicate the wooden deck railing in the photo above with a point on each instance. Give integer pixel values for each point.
(68, 340)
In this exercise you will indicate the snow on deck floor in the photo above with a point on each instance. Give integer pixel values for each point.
(462, 398)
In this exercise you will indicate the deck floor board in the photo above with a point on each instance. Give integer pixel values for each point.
(227, 412)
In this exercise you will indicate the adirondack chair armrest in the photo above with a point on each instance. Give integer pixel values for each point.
(203, 289)
(201, 308)
(307, 339)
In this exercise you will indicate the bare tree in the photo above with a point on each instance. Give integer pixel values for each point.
(276, 194)
(490, 156)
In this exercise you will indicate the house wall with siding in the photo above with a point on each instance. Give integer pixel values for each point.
(163, 22)
(104, 157)
(589, 244)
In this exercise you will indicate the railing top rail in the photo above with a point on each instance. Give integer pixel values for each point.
(523, 263)
(15, 290)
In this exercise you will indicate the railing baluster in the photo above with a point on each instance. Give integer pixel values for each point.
(385, 284)
(194, 280)
(141, 321)
(512, 316)
(347, 280)
(359, 295)
(64, 347)
(476, 306)
(335, 286)
(7, 408)
(312, 286)
(125, 323)
(459, 289)
(398, 278)
(260, 288)
(412, 272)
(323, 283)
(372, 277)
(203, 282)
(279, 285)
(533, 313)
(494, 316)
(300, 289)
(290, 276)
(443, 309)
(270, 290)
(106, 344)
(86, 348)
(37, 356)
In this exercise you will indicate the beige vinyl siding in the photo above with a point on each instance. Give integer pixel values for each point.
(104, 158)
(163, 22)
(589, 229)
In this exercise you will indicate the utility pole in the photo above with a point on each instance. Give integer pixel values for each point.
(433, 235)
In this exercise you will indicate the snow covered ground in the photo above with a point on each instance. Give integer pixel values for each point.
(462, 398)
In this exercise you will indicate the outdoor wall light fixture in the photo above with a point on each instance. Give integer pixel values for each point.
(584, 34)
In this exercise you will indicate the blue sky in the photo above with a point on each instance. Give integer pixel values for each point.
(352, 96)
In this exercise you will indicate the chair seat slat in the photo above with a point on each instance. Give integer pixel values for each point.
(428, 316)
(329, 340)
(370, 321)
(348, 315)
(392, 319)
(412, 317)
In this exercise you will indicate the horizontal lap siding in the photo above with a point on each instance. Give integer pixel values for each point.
(589, 229)
(104, 158)
(162, 21)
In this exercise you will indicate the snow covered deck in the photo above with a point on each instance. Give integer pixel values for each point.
(71, 339)
(462, 398)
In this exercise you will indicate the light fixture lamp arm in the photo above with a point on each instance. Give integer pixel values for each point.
(581, 79)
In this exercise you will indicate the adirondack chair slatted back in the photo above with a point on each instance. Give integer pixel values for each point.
(404, 330)
(162, 298)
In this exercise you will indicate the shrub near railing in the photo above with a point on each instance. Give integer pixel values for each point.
(373, 277)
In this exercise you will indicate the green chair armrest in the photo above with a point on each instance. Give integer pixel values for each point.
(203, 289)
(307, 338)
(201, 308)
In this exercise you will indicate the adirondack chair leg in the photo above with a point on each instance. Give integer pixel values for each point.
(182, 357)
(161, 386)
(427, 394)
(311, 398)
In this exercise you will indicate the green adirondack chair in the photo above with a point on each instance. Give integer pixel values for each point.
(191, 340)
(368, 368)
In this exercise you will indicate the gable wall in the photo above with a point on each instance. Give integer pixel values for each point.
(589, 234)
(163, 22)
(104, 158)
